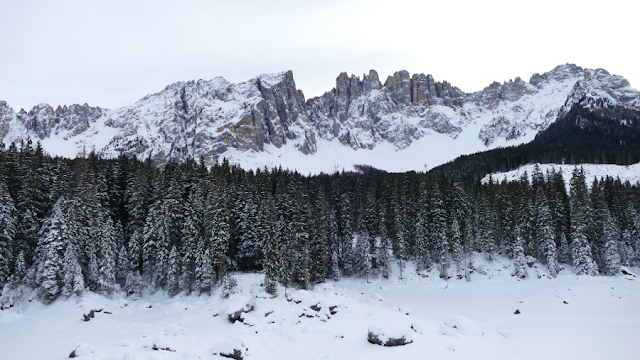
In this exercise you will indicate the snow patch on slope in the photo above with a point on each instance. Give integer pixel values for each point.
(629, 173)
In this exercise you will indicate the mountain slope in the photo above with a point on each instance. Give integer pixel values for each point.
(590, 131)
(408, 123)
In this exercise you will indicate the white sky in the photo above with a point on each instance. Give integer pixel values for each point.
(112, 53)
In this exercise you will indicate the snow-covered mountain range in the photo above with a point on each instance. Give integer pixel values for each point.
(409, 122)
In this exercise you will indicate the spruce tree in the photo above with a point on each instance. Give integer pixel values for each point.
(384, 246)
(204, 272)
(107, 261)
(73, 281)
(580, 209)
(610, 254)
(271, 256)
(423, 255)
(50, 252)
(123, 266)
(218, 229)
(456, 243)
(193, 233)
(173, 272)
(487, 221)
(519, 262)
(7, 233)
(545, 234)
(439, 231)
(363, 251)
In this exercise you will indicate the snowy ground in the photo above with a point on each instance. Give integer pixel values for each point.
(600, 319)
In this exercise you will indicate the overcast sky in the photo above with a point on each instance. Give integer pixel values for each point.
(112, 53)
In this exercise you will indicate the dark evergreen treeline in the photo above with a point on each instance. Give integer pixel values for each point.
(602, 134)
(67, 226)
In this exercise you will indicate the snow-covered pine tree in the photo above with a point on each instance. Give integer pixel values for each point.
(123, 265)
(439, 230)
(346, 238)
(519, 262)
(456, 243)
(635, 236)
(138, 194)
(399, 241)
(7, 233)
(564, 250)
(151, 234)
(610, 234)
(218, 228)
(73, 281)
(625, 249)
(173, 209)
(204, 272)
(13, 290)
(369, 211)
(486, 220)
(193, 232)
(270, 249)
(527, 216)
(423, 255)
(248, 228)
(384, 246)
(363, 251)
(580, 209)
(173, 272)
(334, 243)
(558, 203)
(467, 241)
(107, 260)
(335, 267)
(32, 202)
(545, 234)
(320, 249)
(50, 252)
(301, 225)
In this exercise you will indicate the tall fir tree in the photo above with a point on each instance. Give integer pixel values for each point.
(270, 250)
(50, 252)
(384, 246)
(7, 233)
(580, 209)
(519, 262)
(218, 229)
(173, 272)
(545, 233)
(107, 261)
(456, 243)
(73, 281)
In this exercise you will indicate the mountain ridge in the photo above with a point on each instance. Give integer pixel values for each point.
(260, 121)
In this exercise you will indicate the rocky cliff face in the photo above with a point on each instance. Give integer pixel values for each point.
(216, 118)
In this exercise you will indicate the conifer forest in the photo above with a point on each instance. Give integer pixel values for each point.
(106, 225)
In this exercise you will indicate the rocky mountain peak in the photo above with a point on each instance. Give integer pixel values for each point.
(268, 114)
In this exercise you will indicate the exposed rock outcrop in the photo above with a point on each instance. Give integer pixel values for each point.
(211, 119)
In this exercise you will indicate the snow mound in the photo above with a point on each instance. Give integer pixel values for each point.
(230, 347)
(162, 344)
(83, 350)
(389, 334)
(456, 324)
(417, 327)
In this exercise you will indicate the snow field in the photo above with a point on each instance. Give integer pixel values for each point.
(629, 173)
(568, 317)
